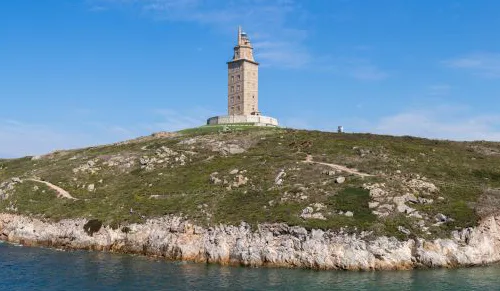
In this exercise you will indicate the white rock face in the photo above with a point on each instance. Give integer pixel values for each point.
(349, 214)
(280, 178)
(308, 213)
(270, 245)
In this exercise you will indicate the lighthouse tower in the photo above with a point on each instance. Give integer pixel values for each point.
(243, 79)
(243, 88)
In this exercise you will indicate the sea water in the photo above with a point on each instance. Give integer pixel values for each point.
(24, 268)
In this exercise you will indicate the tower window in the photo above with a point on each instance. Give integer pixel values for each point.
(238, 88)
(239, 77)
(232, 99)
(239, 98)
(232, 79)
(232, 89)
(238, 108)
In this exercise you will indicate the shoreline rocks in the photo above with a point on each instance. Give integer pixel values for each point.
(274, 245)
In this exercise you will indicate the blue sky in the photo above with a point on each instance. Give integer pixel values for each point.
(75, 73)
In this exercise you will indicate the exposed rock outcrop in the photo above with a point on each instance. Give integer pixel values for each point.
(270, 245)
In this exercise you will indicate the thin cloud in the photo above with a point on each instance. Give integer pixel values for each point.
(172, 120)
(481, 64)
(20, 139)
(443, 123)
(368, 72)
(278, 29)
(276, 42)
(282, 55)
(453, 122)
(97, 8)
(357, 68)
(439, 90)
(362, 69)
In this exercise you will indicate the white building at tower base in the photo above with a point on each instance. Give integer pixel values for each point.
(256, 120)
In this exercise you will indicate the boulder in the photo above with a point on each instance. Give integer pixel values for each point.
(404, 230)
(280, 178)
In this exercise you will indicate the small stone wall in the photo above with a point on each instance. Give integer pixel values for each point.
(257, 120)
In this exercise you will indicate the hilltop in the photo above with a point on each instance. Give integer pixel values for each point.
(397, 186)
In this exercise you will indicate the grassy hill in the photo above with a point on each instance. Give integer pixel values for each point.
(400, 186)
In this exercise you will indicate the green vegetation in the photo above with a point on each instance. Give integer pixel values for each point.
(207, 129)
(154, 176)
(355, 200)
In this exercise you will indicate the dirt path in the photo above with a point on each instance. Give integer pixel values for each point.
(309, 159)
(60, 191)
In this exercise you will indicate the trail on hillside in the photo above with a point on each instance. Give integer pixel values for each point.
(60, 191)
(309, 159)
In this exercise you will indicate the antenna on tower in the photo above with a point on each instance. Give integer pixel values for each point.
(239, 35)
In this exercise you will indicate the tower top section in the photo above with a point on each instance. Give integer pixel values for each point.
(243, 50)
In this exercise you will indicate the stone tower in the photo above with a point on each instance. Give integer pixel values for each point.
(243, 89)
(243, 79)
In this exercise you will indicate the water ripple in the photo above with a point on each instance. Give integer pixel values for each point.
(23, 268)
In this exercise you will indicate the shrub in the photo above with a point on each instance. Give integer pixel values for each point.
(92, 226)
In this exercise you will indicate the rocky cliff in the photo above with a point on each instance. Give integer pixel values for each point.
(277, 245)
(366, 201)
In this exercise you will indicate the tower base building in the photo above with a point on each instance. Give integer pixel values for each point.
(256, 120)
(243, 88)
